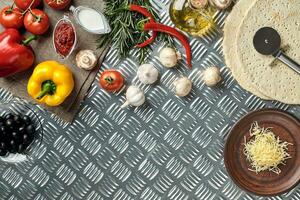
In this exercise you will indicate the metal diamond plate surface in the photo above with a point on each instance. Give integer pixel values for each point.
(170, 148)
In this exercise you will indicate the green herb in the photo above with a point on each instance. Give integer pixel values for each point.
(125, 35)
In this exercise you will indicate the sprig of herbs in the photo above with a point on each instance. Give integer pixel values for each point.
(125, 34)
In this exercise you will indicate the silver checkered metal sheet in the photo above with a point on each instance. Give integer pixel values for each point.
(169, 148)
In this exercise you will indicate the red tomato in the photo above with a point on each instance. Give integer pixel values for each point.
(25, 4)
(36, 22)
(58, 4)
(11, 17)
(111, 80)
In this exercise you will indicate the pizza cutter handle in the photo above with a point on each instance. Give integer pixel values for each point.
(288, 61)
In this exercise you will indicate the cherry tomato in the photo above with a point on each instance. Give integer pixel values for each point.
(25, 4)
(111, 80)
(58, 4)
(11, 17)
(36, 21)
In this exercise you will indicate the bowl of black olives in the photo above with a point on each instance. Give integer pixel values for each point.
(21, 131)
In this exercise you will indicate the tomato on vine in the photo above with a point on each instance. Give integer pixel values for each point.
(58, 4)
(25, 4)
(36, 21)
(11, 17)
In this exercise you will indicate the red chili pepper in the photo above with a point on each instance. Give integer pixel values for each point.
(15, 54)
(146, 13)
(172, 31)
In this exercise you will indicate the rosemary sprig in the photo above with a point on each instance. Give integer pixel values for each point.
(125, 35)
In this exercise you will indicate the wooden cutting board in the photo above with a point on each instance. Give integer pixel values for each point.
(44, 50)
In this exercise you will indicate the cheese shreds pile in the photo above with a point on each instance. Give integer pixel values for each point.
(264, 151)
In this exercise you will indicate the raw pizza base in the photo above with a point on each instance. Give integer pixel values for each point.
(230, 48)
(279, 81)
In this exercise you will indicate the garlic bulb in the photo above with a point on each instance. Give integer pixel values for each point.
(134, 96)
(198, 4)
(220, 4)
(147, 74)
(211, 76)
(86, 59)
(183, 86)
(169, 57)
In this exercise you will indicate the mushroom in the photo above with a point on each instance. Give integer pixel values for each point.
(220, 4)
(183, 86)
(147, 74)
(169, 57)
(86, 59)
(198, 4)
(134, 96)
(211, 76)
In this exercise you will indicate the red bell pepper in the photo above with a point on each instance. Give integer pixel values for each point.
(15, 54)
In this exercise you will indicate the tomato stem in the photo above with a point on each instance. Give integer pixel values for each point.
(29, 8)
(109, 80)
(37, 18)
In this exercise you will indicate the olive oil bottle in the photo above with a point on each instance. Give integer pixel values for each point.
(196, 21)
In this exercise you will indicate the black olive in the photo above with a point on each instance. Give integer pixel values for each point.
(21, 148)
(30, 129)
(27, 139)
(14, 134)
(3, 152)
(14, 149)
(2, 129)
(18, 119)
(9, 116)
(2, 145)
(26, 120)
(3, 133)
(9, 123)
(2, 119)
(12, 143)
(13, 146)
(21, 129)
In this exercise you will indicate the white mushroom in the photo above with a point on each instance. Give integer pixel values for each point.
(211, 76)
(169, 57)
(198, 4)
(134, 96)
(183, 86)
(86, 59)
(220, 4)
(147, 74)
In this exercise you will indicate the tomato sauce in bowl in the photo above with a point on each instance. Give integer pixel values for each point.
(64, 37)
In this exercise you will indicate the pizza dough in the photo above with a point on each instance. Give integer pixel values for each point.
(232, 23)
(277, 81)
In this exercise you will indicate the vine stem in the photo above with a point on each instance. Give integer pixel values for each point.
(29, 8)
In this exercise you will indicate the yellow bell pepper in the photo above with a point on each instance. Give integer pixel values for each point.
(50, 83)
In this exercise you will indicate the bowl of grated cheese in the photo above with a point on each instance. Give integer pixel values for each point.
(262, 153)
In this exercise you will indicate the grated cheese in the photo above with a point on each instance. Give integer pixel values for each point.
(264, 151)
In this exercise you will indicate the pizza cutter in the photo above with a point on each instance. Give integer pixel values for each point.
(267, 41)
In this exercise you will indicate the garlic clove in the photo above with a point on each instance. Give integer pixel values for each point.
(86, 59)
(147, 74)
(169, 57)
(183, 86)
(134, 96)
(211, 76)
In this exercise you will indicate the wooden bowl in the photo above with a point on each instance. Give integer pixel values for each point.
(264, 183)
